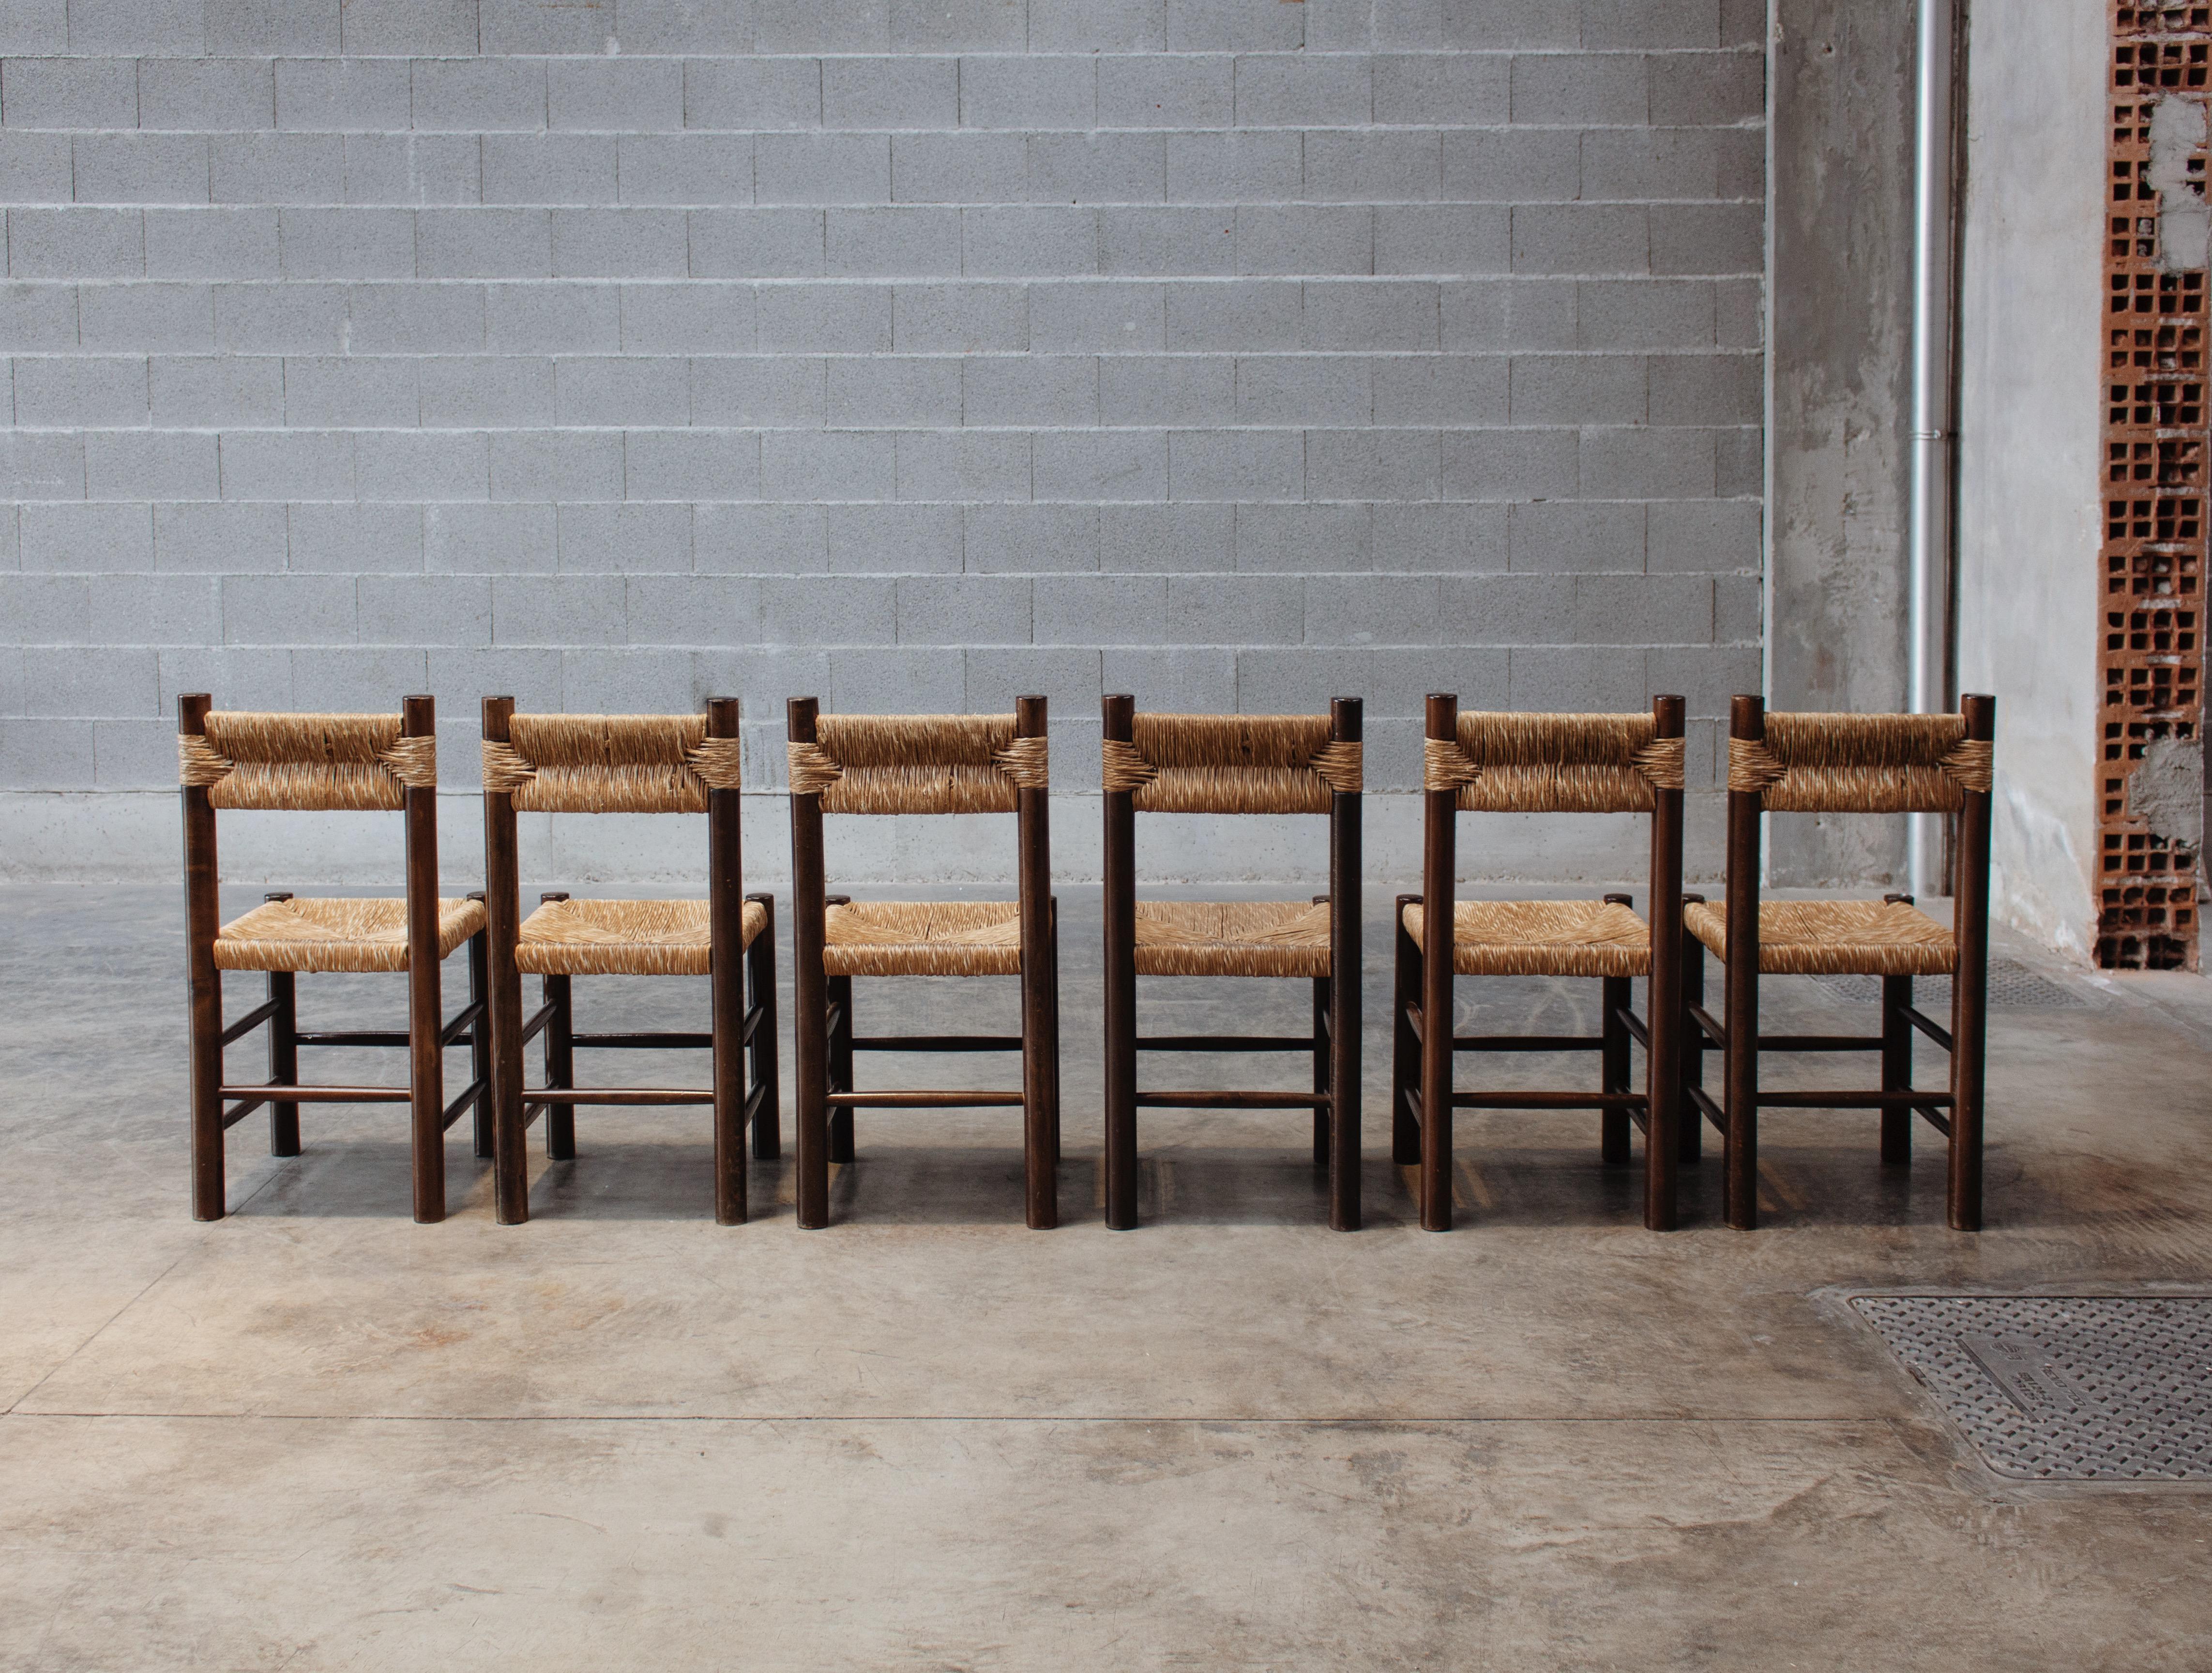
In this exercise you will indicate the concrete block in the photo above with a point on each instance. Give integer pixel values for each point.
(1738, 464)
(619, 96)
(1626, 164)
(418, 319)
(1352, 314)
(970, 465)
(1644, 313)
(965, 610)
(1292, 239)
(344, 95)
(1616, 23)
(672, 319)
(625, 539)
(35, 26)
(35, 168)
(781, 390)
(895, 539)
(288, 609)
(1441, 389)
(1448, 239)
(1234, 26)
(801, 319)
(756, 243)
(694, 610)
(1559, 537)
(675, 168)
(1540, 314)
(208, 539)
(1098, 25)
(57, 391)
(558, 611)
(1029, 539)
(549, 465)
(890, 93)
(1738, 603)
(295, 464)
(90, 681)
(1245, 317)
(556, 168)
(1571, 89)
(958, 318)
(44, 467)
(1706, 389)
(39, 755)
(478, 94)
(829, 466)
(1581, 238)
(1647, 464)
(1106, 319)
(423, 610)
(34, 317)
(406, 465)
(1299, 682)
(53, 610)
(87, 92)
(340, 679)
(1473, 315)
(1180, 681)
(760, 539)
(1553, 678)
(1237, 610)
(1373, 166)
(1100, 610)
(1046, 389)
(484, 244)
(1372, 464)
(414, 168)
(276, 168)
(801, 25)
(1235, 167)
(1236, 464)
(620, 243)
(1304, 540)
(1152, 92)
(892, 393)
(529, 25)
(1067, 678)
(825, 168)
(1157, 240)
(1708, 535)
(244, 679)
(757, 95)
(504, 390)
(1029, 243)
(891, 243)
(1097, 168)
(1718, 88)
(1643, 610)
(490, 539)
(1510, 464)
(1442, 89)
(265, 26)
(350, 391)
(895, 681)
(1708, 238)
(356, 539)
(1453, 539)
(149, 465)
(460, 679)
(204, 392)
(1154, 539)
(627, 389)
(1100, 465)
(346, 243)
(140, 168)
(1512, 164)
(409, 26)
(1294, 91)
(688, 465)
(76, 243)
(202, 95)
(684, 25)
(120, 318)
(1177, 389)
(828, 609)
(1505, 610)
(1705, 676)
(1578, 389)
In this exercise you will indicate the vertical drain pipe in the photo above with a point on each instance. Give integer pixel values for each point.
(1928, 531)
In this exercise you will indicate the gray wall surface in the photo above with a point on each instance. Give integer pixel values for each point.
(909, 353)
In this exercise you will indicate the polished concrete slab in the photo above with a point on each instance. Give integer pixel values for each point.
(317, 1435)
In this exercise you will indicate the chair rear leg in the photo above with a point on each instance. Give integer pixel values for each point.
(1740, 1150)
(1052, 1032)
(283, 1062)
(560, 1069)
(760, 993)
(1321, 1047)
(1613, 1125)
(840, 1065)
(1896, 1068)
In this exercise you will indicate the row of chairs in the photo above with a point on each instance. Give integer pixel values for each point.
(1150, 763)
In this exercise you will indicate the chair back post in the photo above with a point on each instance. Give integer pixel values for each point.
(1662, 1009)
(1040, 1073)
(1970, 930)
(1439, 861)
(203, 924)
(419, 718)
(1119, 714)
(503, 913)
(725, 913)
(811, 1038)
(1746, 724)
(1346, 727)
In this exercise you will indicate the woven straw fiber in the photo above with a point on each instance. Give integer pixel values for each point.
(1543, 938)
(307, 763)
(924, 938)
(1554, 763)
(917, 764)
(348, 935)
(1231, 938)
(1231, 764)
(610, 764)
(1835, 938)
(1861, 764)
(625, 938)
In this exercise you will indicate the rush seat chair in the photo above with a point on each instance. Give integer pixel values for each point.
(1850, 763)
(920, 764)
(1235, 764)
(625, 763)
(1543, 764)
(309, 762)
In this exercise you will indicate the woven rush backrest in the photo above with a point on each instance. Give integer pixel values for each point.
(610, 764)
(1861, 764)
(1554, 763)
(306, 763)
(1231, 764)
(917, 764)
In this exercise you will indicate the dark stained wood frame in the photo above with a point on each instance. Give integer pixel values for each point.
(735, 1029)
(1334, 1044)
(1422, 1095)
(1957, 1113)
(218, 1105)
(821, 1006)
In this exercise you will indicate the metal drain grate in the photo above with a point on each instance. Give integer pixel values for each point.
(2063, 1388)
(2012, 988)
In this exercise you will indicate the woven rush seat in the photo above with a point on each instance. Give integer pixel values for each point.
(1592, 938)
(1835, 938)
(1231, 938)
(336, 935)
(923, 938)
(624, 938)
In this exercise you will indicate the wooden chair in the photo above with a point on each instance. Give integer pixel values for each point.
(1854, 763)
(303, 763)
(919, 764)
(625, 763)
(1543, 764)
(1235, 764)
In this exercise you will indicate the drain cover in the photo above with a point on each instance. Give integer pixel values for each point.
(2064, 1388)
(2012, 988)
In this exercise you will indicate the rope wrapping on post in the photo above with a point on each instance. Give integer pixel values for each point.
(306, 763)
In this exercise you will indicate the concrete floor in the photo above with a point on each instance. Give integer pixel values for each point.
(317, 1435)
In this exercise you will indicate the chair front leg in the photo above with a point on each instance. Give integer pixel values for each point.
(840, 1065)
(560, 1068)
(1896, 1069)
(1320, 1115)
(760, 993)
(1613, 1123)
(1740, 1148)
(284, 1062)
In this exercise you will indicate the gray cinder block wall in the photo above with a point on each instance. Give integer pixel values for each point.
(911, 353)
